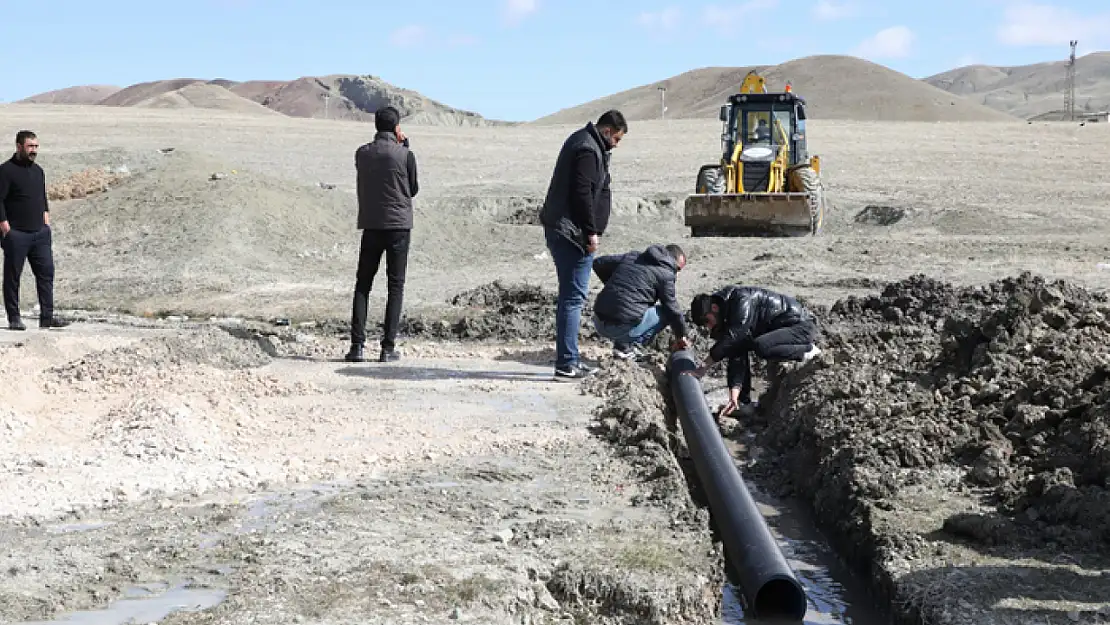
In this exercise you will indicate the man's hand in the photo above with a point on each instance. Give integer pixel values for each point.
(592, 243)
(680, 344)
(401, 137)
(5, 228)
(733, 403)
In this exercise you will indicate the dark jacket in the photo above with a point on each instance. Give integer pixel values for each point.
(634, 282)
(386, 184)
(578, 201)
(746, 313)
(23, 200)
(749, 312)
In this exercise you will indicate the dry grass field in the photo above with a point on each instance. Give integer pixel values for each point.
(140, 447)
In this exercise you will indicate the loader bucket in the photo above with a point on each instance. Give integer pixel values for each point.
(751, 215)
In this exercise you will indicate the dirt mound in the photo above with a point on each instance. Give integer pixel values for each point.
(205, 96)
(835, 87)
(496, 311)
(189, 224)
(1006, 386)
(158, 426)
(85, 183)
(209, 346)
(877, 215)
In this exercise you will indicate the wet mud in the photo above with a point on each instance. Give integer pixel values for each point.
(955, 444)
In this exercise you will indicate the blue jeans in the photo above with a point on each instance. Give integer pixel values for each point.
(573, 268)
(624, 334)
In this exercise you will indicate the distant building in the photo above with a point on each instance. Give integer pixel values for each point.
(1101, 116)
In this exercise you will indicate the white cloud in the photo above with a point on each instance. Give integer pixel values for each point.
(517, 10)
(891, 43)
(830, 10)
(728, 18)
(665, 19)
(405, 36)
(1029, 24)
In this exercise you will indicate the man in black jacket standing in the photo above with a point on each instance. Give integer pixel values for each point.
(25, 234)
(387, 182)
(744, 319)
(626, 311)
(574, 216)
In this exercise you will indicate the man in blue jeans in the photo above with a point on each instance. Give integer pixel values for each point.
(626, 311)
(575, 214)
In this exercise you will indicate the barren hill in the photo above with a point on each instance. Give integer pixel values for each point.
(85, 94)
(835, 87)
(350, 97)
(1035, 90)
(205, 96)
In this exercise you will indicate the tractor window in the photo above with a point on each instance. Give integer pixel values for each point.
(783, 129)
(758, 127)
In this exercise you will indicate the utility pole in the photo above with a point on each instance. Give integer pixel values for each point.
(327, 96)
(1069, 97)
(662, 102)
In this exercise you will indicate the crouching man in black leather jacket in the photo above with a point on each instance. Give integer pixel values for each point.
(742, 319)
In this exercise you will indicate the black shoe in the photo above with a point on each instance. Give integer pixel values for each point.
(573, 372)
(389, 355)
(53, 322)
(17, 325)
(355, 354)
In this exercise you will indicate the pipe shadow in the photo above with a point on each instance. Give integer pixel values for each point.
(393, 372)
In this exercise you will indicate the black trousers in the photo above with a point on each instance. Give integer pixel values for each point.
(34, 248)
(786, 343)
(394, 244)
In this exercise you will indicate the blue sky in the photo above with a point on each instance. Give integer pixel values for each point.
(515, 59)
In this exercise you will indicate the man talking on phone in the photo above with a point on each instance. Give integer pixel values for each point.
(574, 216)
(387, 182)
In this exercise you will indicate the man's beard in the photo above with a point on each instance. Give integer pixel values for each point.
(26, 156)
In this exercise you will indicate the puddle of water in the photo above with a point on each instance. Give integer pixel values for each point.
(143, 605)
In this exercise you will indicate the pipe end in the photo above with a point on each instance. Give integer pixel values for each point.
(781, 601)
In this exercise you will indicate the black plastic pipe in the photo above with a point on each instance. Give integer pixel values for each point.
(769, 586)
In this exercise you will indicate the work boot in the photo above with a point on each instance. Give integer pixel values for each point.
(355, 354)
(389, 355)
(17, 324)
(52, 322)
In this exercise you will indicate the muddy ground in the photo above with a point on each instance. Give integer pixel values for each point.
(244, 456)
(954, 442)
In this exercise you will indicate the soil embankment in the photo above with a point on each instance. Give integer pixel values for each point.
(955, 443)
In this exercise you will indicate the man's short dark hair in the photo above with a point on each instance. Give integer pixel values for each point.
(386, 119)
(22, 136)
(613, 119)
(700, 308)
(676, 251)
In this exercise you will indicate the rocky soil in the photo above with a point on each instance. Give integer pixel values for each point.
(955, 442)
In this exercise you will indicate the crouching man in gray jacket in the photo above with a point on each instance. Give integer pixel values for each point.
(626, 311)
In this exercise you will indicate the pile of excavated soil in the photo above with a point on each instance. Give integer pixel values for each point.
(496, 311)
(207, 346)
(149, 426)
(996, 396)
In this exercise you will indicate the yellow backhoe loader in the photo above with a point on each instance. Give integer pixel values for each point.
(766, 184)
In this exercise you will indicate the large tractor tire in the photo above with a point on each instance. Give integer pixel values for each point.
(711, 180)
(811, 184)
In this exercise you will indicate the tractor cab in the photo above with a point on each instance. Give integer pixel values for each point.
(763, 123)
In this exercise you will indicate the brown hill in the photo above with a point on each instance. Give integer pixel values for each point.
(350, 97)
(835, 87)
(85, 94)
(205, 96)
(1032, 91)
